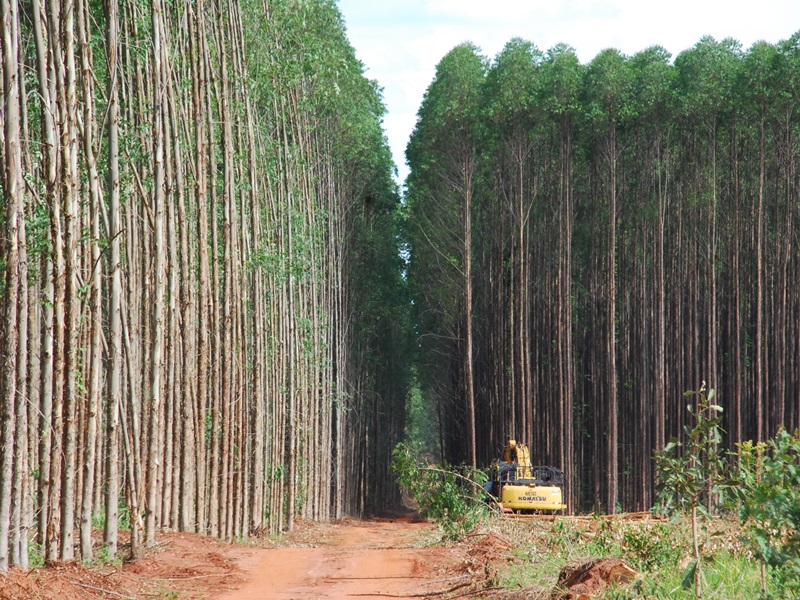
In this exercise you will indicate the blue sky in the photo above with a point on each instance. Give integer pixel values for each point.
(401, 41)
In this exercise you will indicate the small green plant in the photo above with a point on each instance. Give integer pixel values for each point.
(565, 534)
(690, 474)
(102, 557)
(730, 576)
(454, 497)
(124, 518)
(771, 507)
(605, 541)
(35, 555)
(99, 519)
(650, 548)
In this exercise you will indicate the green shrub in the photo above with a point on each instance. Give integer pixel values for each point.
(771, 508)
(652, 547)
(453, 497)
(691, 474)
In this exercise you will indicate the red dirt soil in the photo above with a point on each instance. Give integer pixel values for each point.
(348, 559)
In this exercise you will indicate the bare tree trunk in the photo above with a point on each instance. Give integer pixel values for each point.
(160, 89)
(758, 342)
(21, 509)
(115, 297)
(468, 318)
(610, 350)
(66, 376)
(9, 245)
(95, 381)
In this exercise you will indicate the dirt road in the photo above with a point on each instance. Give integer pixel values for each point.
(360, 559)
(346, 559)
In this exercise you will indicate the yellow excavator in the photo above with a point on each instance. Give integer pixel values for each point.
(519, 487)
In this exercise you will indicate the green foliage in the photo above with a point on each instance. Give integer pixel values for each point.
(560, 82)
(124, 512)
(658, 550)
(609, 89)
(771, 507)
(653, 85)
(35, 554)
(653, 547)
(102, 557)
(511, 85)
(693, 471)
(99, 519)
(706, 75)
(421, 425)
(452, 496)
(685, 480)
(649, 547)
(726, 576)
(766, 485)
(565, 534)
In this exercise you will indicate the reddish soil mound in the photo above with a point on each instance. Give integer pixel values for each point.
(182, 564)
(581, 581)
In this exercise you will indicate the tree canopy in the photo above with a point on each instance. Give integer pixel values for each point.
(634, 220)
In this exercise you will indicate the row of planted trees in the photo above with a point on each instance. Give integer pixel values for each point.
(588, 241)
(201, 292)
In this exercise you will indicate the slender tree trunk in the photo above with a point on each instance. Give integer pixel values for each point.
(21, 506)
(468, 318)
(610, 375)
(758, 343)
(67, 100)
(111, 535)
(10, 247)
(94, 380)
(159, 277)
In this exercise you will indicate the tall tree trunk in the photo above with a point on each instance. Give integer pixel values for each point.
(115, 226)
(95, 349)
(758, 342)
(611, 331)
(66, 82)
(468, 318)
(158, 282)
(10, 247)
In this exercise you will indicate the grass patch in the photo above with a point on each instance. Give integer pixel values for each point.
(661, 551)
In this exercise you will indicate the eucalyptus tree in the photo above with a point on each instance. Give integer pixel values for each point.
(640, 210)
(10, 245)
(206, 200)
(513, 166)
(705, 86)
(443, 154)
(559, 92)
(759, 87)
(114, 218)
(787, 116)
(651, 191)
(608, 89)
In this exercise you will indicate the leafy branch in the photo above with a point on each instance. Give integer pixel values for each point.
(452, 496)
(693, 471)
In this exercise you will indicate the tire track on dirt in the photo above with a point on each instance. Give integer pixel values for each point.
(372, 559)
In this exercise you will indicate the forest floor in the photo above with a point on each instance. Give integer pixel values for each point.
(382, 558)
(502, 558)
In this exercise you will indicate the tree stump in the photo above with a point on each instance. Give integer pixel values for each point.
(580, 581)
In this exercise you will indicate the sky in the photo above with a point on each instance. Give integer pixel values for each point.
(400, 42)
